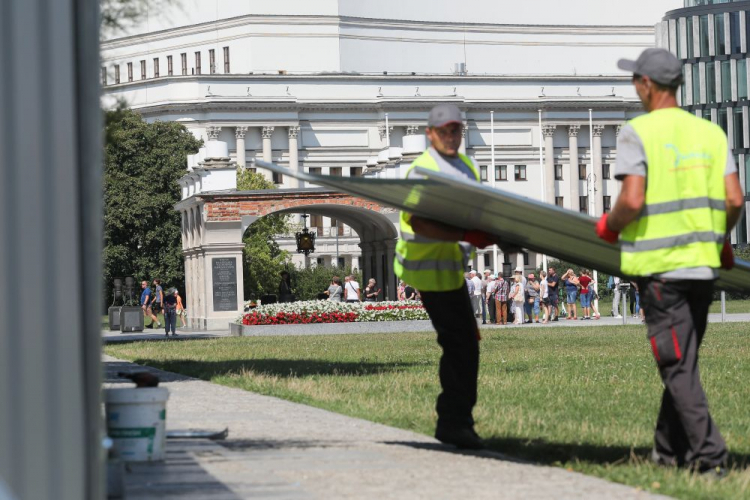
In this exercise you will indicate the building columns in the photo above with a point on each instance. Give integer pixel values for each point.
(266, 133)
(212, 133)
(239, 134)
(549, 163)
(464, 139)
(597, 171)
(573, 154)
(294, 155)
(379, 276)
(390, 256)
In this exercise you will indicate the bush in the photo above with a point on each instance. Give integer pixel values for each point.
(307, 283)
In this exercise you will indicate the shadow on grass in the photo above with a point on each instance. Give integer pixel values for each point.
(285, 368)
(543, 452)
(550, 453)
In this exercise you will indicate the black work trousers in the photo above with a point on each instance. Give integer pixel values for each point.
(676, 316)
(452, 316)
(491, 309)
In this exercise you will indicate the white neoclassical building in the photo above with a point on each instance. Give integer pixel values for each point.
(343, 87)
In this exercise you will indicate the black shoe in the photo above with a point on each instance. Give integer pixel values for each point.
(714, 473)
(151, 326)
(460, 437)
(174, 334)
(484, 322)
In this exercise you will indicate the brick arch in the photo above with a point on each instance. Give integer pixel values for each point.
(371, 221)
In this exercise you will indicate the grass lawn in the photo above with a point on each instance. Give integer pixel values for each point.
(583, 399)
(733, 306)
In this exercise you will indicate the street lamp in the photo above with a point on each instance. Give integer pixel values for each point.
(305, 239)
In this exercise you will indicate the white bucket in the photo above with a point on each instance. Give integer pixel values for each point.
(136, 422)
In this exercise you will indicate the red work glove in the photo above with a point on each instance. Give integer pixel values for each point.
(727, 256)
(604, 232)
(479, 239)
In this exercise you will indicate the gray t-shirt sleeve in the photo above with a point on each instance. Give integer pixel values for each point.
(631, 157)
(731, 165)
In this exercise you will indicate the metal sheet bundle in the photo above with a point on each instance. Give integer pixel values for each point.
(517, 220)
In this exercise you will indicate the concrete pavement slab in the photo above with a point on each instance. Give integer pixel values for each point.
(282, 450)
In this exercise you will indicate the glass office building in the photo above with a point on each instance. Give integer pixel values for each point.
(711, 39)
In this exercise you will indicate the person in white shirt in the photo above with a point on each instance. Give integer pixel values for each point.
(351, 290)
(489, 299)
(544, 294)
(476, 297)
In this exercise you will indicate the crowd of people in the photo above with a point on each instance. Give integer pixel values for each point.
(547, 297)
(156, 301)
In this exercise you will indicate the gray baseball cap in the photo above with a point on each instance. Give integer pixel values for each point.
(443, 114)
(658, 64)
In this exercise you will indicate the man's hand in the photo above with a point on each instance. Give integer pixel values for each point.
(727, 256)
(479, 239)
(604, 232)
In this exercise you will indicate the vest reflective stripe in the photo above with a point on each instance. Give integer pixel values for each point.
(683, 221)
(430, 265)
(418, 238)
(425, 263)
(679, 205)
(672, 241)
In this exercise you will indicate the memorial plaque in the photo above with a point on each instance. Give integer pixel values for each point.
(224, 272)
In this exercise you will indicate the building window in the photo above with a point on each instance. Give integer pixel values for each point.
(719, 40)
(170, 67)
(483, 173)
(321, 261)
(501, 173)
(696, 84)
(143, 70)
(212, 61)
(335, 171)
(581, 171)
(739, 129)
(689, 33)
(683, 87)
(197, 63)
(525, 258)
(734, 33)
(156, 67)
(520, 171)
(583, 204)
(711, 82)
(726, 81)
(721, 120)
(742, 79)
(183, 57)
(678, 35)
(703, 33)
(558, 172)
(130, 72)
(487, 263)
(606, 171)
(356, 171)
(226, 59)
(607, 204)
(117, 73)
(104, 75)
(559, 201)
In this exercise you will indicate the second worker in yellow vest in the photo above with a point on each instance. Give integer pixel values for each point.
(430, 258)
(680, 195)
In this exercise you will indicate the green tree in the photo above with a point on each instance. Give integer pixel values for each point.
(311, 281)
(263, 258)
(142, 164)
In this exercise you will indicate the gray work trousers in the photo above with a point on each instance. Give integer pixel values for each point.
(616, 297)
(676, 316)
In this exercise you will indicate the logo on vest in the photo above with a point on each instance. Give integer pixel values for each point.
(689, 161)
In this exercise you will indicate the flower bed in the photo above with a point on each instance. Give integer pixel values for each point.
(323, 311)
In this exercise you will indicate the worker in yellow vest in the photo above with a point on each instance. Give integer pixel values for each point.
(680, 197)
(431, 257)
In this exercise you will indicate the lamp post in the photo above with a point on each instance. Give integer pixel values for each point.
(305, 239)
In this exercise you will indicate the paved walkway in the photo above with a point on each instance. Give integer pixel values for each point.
(282, 450)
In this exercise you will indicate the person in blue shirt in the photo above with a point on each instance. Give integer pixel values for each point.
(147, 297)
(571, 289)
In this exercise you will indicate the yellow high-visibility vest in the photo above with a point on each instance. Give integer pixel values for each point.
(426, 264)
(683, 222)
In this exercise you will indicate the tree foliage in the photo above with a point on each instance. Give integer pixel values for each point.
(143, 162)
(307, 283)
